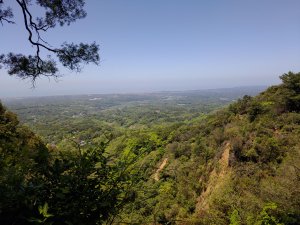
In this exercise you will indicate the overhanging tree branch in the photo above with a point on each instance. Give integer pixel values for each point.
(71, 56)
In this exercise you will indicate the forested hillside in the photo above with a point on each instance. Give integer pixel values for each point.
(40, 185)
(239, 165)
(233, 165)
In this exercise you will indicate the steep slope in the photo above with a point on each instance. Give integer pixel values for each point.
(239, 165)
(50, 186)
(217, 178)
(264, 133)
(22, 158)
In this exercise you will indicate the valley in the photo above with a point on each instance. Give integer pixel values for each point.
(201, 157)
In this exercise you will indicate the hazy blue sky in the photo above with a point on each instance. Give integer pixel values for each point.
(162, 45)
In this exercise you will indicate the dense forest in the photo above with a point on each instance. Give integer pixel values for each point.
(186, 159)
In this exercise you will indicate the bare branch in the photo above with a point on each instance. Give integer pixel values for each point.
(25, 14)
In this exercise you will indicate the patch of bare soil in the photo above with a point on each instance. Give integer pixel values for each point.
(216, 179)
(160, 168)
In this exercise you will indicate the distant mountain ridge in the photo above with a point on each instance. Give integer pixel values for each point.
(243, 90)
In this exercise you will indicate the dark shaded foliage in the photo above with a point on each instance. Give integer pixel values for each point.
(82, 187)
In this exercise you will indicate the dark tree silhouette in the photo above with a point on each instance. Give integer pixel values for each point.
(70, 55)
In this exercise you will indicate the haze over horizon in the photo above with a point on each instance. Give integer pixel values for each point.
(169, 46)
